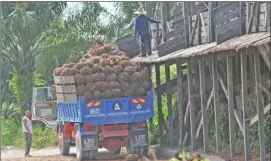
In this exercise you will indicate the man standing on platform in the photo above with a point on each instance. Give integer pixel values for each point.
(141, 25)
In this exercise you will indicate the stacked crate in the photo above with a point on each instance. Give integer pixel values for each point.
(65, 88)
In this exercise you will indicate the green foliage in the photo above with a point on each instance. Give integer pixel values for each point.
(12, 134)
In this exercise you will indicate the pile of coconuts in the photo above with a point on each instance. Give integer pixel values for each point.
(108, 74)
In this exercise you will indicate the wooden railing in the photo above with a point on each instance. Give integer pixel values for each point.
(204, 23)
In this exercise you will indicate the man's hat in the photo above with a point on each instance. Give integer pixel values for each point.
(140, 11)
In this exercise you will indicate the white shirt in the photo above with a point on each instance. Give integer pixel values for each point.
(28, 124)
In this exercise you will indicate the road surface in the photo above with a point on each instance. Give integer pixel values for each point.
(52, 154)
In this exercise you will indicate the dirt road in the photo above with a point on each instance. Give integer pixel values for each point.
(52, 154)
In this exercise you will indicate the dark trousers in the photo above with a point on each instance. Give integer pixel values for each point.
(27, 144)
(144, 43)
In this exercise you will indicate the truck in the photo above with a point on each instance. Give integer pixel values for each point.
(92, 124)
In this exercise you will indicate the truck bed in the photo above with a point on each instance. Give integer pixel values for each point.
(107, 111)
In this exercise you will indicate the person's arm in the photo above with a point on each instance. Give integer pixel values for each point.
(153, 21)
(25, 125)
(130, 25)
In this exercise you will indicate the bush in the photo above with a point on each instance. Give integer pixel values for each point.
(42, 136)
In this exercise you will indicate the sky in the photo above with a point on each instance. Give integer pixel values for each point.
(75, 6)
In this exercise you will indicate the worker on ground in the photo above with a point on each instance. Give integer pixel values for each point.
(141, 25)
(27, 130)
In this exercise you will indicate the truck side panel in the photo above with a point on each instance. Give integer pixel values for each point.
(107, 111)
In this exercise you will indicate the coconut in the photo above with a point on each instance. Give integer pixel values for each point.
(112, 77)
(57, 71)
(136, 77)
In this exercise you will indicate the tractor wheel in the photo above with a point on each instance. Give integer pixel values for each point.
(63, 144)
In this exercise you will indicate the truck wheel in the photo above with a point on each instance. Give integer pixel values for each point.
(144, 150)
(117, 151)
(63, 145)
(80, 154)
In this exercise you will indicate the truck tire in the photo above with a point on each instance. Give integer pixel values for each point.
(117, 151)
(80, 154)
(63, 145)
(144, 150)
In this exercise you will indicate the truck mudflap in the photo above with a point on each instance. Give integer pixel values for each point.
(89, 140)
(139, 137)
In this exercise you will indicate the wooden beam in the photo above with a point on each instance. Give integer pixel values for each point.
(251, 15)
(232, 123)
(265, 55)
(211, 29)
(208, 105)
(238, 120)
(256, 14)
(260, 108)
(216, 103)
(265, 90)
(191, 102)
(242, 18)
(192, 35)
(245, 106)
(223, 87)
(159, 104)
(186, 15)
(164, 20)
(169, 107)
(248, 13)
(256, 118)
(180, 102)
(203, 105)
(268, 16)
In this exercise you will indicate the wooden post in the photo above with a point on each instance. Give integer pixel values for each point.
(245, 104)
(191, 100)
(268, 16)
(180, 102)
(203, 105)
(164, 19)
(169, 106)
(260, 106)
(211, 33)
(159, 104)
(216, 103)
(231, 107)
(242, 18)
(248, 13)
(186, 15)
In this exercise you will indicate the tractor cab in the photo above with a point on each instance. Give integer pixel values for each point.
(44, 106)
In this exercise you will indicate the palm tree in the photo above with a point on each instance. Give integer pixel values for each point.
(23, 38)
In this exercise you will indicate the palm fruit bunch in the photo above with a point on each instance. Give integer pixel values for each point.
(108, 74)
(132, 157)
